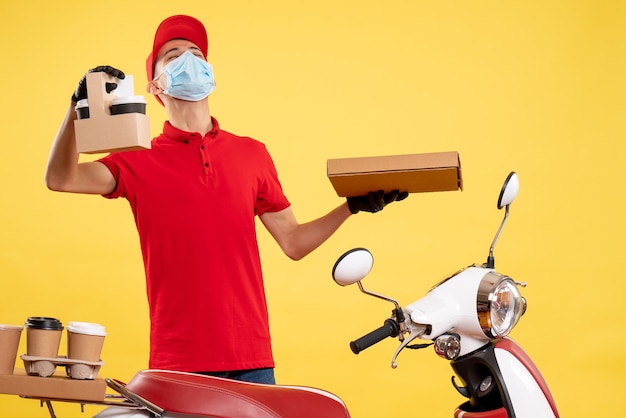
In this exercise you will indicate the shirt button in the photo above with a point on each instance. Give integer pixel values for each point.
(201, 146)
(206, 164)
(186, 141)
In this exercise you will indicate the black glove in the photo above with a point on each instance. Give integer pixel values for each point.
(81, 90)
(374, 201)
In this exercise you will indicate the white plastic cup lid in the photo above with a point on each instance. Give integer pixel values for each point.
(86, 328)
(128, 99)
(11, 327)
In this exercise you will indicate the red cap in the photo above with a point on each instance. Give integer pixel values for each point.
(177, 27)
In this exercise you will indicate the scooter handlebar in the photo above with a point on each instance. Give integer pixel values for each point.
(389, 329)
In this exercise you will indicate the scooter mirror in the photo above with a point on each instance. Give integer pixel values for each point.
(509, 190)
(353, 266)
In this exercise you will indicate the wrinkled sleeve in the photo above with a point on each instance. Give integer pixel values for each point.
(113, 164)
(270, 197)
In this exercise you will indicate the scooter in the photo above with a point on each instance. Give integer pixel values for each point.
(467, 316)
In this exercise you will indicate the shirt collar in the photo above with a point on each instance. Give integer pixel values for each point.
(183, 136)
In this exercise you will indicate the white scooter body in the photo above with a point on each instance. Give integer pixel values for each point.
(530, 396)
(447, 309)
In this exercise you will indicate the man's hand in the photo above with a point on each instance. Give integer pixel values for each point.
(81, 90)
(374, 201)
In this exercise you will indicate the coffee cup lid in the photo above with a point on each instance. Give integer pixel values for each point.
(86, 328)
(44, 322)
(11, 327)
(128, 99)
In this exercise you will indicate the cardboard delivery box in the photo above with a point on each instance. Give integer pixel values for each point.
(413, 173)
(54, 387)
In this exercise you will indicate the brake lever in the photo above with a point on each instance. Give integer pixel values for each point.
(414, 332)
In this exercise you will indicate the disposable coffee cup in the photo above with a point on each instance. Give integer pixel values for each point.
(82, 109)
(128, 104)
(43, 336)
(85, 341)
(9, 343)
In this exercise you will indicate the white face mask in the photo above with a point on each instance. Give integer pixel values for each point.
(188, 78)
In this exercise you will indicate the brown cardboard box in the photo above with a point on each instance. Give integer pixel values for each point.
(413, 173)
(54, 387)
(103, 132)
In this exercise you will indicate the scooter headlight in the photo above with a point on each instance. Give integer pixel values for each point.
(499, 305)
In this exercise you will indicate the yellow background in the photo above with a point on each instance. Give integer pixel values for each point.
(534, 86)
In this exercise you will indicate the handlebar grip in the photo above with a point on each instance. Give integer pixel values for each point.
(389, 329)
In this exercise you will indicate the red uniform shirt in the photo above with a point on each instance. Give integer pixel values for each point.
(194, 200)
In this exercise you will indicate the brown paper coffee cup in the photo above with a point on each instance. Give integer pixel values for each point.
(9, 343)
(43, 342)
(43, 337)
(85, 341)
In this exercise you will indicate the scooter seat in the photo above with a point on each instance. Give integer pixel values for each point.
(207, 396)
